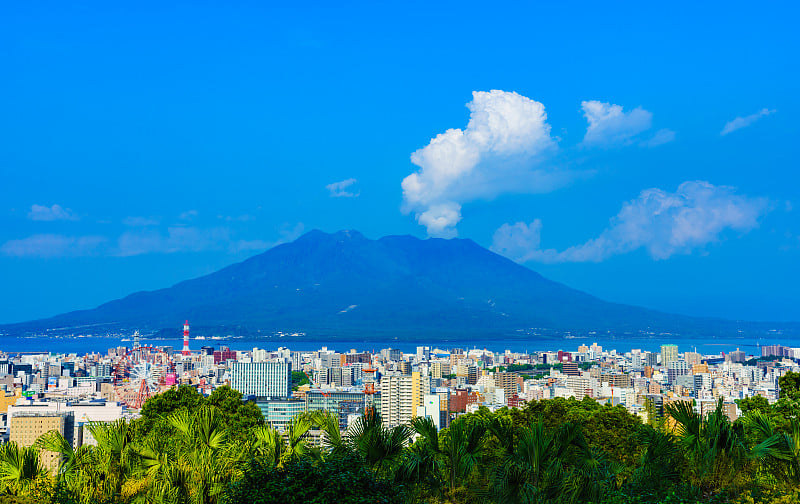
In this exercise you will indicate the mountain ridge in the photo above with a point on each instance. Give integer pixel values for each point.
(344, 283)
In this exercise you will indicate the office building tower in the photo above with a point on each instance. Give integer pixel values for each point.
(262, 379)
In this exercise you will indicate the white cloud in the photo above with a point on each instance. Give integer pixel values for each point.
(143, 240)
(663, 223)
(661, 137)
(519, 241)
(499, 151)
(343, 189)
(286, 236)
(609, 125)
(176, 239)
(188, 215)
(743, 122)
(441, 219)
(51, 213)
(53, 245)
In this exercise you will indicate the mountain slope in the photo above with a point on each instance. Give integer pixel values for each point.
(346, 284)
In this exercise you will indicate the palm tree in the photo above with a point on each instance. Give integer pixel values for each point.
(423, 464)
(444, 460)
(268, 445)
(196, 466)
(660, 464)
(20, 468)
(713, 445)
(535, 468)
(379, 446)
(332, 440)
(113, 461)
(74, 468)
(780, 449)
(297, 444)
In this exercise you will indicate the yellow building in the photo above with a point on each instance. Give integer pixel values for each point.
(420, 387)
(10, 399)
(26, 428)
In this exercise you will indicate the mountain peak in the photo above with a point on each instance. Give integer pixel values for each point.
(344, 284)
(344, 234)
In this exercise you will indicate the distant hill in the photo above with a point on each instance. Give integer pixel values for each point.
(345, 284)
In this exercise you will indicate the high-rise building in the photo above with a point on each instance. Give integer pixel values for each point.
(472, 375)
(775, 351)
(420, 387)
(675, 369)
(507, 382)
(396, 400)
(669, 353)
(402, 397)
(262, 379)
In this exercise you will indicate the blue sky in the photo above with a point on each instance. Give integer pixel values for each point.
(645, 154)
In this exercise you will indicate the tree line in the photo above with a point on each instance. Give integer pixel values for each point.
(190, 449)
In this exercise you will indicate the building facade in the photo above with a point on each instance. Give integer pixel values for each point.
(262, 379)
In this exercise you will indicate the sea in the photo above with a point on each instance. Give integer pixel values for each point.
(88, 344)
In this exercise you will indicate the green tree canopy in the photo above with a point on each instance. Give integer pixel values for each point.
(790, 385)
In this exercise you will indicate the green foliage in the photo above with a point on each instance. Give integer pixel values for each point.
(756, 360)
(299, 378)
(189, 449)
(343, 480)
(606, 427)
(235, 414)
(755, 403)
(790, 385)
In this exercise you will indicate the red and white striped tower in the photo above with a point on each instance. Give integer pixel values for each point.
(185, 338)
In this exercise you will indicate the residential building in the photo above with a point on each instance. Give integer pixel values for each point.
(669, 353)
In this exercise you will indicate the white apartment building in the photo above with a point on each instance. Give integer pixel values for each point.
(262, 379)
(396, 400)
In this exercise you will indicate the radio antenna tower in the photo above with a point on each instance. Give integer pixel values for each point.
(185, 351)
(369, 390)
